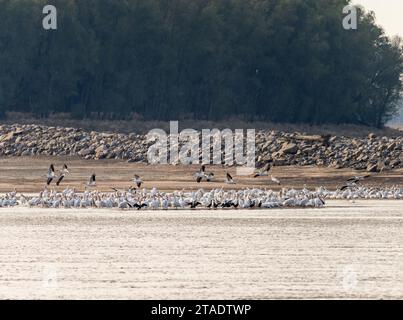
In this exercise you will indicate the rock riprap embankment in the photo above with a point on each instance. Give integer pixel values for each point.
(30, 140)
(371, 153)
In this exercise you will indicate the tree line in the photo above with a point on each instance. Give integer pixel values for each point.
(274, 60)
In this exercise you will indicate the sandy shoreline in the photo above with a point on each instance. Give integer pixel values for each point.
(27, 174)
(346, 250)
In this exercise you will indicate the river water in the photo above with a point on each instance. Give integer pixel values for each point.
(346, 250)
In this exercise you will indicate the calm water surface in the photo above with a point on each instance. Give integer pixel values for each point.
(349, 250)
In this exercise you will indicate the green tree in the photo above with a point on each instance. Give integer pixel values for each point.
(277, 60)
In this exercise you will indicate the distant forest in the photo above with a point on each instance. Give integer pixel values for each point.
(275, 60)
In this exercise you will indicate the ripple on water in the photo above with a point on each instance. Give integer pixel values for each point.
(328, 253)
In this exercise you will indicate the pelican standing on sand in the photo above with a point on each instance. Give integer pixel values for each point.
(215, 199)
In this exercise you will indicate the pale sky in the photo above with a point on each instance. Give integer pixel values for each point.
(389, 14)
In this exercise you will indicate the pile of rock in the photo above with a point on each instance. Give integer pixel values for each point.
(372, 153)
(30, 140)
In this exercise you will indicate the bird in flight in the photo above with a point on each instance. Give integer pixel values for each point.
(263, 172)
(353, 181)
(200, 174)
(137, 181)
(63, 173)
(92, 181)
(210, 177)
(275, 180)
(358, 178)
(50, 175)
(229, 179)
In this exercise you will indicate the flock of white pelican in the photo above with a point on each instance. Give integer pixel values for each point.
(214, 199)
(136, 198)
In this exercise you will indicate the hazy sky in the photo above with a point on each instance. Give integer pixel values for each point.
(389, 14)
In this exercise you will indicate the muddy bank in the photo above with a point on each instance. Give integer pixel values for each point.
(28, 174)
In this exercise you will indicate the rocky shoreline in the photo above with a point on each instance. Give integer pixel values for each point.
(372, 153)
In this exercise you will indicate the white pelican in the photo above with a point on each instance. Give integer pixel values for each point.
(275, 180)
(263, 172)
(137, 181)
(199, 175)
(229, 179)
(50, 175)
(63, 173)
(92, 182)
